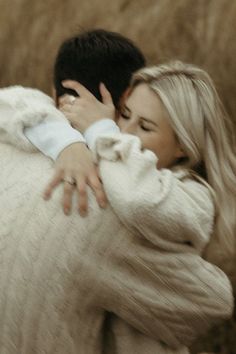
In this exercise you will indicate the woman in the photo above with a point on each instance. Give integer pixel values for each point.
(176, 113)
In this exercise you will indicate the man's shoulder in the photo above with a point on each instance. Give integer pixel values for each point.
(23, 166)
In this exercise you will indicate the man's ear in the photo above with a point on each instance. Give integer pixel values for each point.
(54, 96)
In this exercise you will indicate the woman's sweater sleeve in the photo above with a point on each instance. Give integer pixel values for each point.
(29, 119)
(170, 210)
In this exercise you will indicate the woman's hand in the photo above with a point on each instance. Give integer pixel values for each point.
(85, 110)
(76, 169)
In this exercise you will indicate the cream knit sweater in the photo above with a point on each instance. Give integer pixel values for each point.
(59, 275)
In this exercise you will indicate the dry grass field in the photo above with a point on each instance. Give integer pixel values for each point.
(198, 31)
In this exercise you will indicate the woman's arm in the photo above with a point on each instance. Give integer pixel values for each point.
(171, 210)
(160, 285)
(30, 119)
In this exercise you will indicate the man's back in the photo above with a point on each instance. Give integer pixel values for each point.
(48, 263)
(60, 273)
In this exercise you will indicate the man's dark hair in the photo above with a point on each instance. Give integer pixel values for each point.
(97, 56)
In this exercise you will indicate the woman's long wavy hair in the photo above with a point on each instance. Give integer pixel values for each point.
(203, 130)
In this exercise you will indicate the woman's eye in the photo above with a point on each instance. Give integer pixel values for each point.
(124, 115)
(146, 129)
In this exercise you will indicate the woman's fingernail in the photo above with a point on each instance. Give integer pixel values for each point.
(67, 211)
(83, 213)
(46, 196)
(103, 204)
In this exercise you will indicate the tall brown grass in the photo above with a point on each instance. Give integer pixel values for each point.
(199, 31)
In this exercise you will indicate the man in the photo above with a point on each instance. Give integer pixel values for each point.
(61, 276)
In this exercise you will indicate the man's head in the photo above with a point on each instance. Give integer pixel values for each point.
(97, 56)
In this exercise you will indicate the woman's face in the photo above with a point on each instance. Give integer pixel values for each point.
(144, 115)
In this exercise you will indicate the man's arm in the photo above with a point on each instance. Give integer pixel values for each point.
(169, 297)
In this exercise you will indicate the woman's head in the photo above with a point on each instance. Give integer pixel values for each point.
(144, 115)
(186, 99)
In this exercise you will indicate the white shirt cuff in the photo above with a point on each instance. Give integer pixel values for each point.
(53, 137)
(102, 127)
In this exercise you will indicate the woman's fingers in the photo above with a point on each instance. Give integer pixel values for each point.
(98, 190)
(82, 197)
(56, 180)
(106, 96)
(66, 100)
(78, 183)
(69, 186)
(77, 87)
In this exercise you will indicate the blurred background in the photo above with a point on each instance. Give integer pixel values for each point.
(197, 31)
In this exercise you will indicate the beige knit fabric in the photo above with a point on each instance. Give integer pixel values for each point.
(59, 275)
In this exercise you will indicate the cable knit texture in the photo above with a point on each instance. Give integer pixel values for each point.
(135, 266)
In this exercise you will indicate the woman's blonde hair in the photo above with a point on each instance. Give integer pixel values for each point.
(203, 130)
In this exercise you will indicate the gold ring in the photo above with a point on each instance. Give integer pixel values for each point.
(72, 100)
